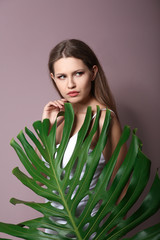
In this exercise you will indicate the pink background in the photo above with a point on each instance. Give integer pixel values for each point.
(124, 35)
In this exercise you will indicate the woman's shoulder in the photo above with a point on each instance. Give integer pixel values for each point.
(103, 110)
(114, 122)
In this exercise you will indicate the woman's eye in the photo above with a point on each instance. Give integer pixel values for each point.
(61, 77)
(79, 73)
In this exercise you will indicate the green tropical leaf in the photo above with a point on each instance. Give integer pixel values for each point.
(67, 188)
(151, 233)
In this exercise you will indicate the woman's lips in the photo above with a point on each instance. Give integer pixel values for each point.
(73, 94)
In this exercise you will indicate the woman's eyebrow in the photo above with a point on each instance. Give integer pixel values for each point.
(78, 70)
(81, 69)
(58, 74)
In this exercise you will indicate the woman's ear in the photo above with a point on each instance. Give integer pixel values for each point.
(94, 70)
(52, 76)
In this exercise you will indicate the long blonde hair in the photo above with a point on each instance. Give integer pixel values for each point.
(78, 49)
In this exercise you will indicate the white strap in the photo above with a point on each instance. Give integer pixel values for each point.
(103, 109)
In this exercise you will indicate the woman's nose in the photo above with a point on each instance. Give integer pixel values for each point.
(71, 82)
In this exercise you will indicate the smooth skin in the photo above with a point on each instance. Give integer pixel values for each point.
(73, 80)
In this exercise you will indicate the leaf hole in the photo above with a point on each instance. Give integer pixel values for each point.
(55, 192)
(44, 186)
(62, 175)
(55, 155)
(74, 192)
(58, 220)
(83, 172)
(40, 229)
(57, 205)
(92, 236)
(52, 232)
(97, 173)
(71, 235)
(81, 206)
(38, 131)
(73, 169)
(96, 208)
(26, 227)
(104, 220)
(67, 190)
(46, 164)
(85, 226)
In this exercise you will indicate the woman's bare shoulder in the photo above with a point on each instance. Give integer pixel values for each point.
(115, 126)
(114, 119)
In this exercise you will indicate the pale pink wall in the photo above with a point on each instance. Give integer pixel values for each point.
(124, 35)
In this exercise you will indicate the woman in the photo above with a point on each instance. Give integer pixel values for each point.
(79, 78)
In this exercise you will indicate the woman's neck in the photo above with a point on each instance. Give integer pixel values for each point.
(82, 106)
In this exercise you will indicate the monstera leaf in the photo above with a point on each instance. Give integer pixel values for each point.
(66, 188)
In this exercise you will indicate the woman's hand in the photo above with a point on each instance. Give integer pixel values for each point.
(52, 109)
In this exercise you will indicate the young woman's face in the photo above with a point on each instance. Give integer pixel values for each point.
(73, 79)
